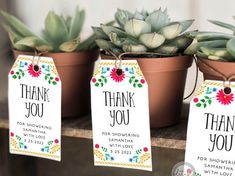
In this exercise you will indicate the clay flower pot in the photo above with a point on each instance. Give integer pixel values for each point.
(75, 70)
(166, 81)
(226, 68)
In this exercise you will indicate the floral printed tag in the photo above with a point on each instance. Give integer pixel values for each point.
(211, 127)
(35, 108)
(120, 116)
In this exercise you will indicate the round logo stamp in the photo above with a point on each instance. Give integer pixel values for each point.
(183, 169)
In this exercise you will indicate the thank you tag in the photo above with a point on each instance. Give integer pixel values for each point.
(120, 116)
(210, 144)
(35, 108)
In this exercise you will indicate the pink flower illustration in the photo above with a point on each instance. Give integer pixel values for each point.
(34, 71)
(224, 99)
(195, 100)
(57, 79)
(117, 75)
(145, 149)
(142, 81)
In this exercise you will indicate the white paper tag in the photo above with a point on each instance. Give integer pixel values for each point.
(35, 108)
(210, 138)
(120, 116)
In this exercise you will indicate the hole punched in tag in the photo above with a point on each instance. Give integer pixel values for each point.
(119, 71)
(227, 90)
(36, 68)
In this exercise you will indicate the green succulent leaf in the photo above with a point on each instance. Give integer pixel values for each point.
(115, 39)
(68, 22)
(222, 24)
(182, 42)
(220, 52)
(231, 47)
(195, 46)
(122, 16)
(158, 19)
(167, 49)
(100, 33)
(104, 44)
(87, 44)
(69, 46)
(134, 48)
(152, 40)
(205, 36)
(14, 37)
(216, 58)
(172, 30)
(76, 24)
(16, 25)
(137, 27)
(108, 29)
(201, 54)
(139, 15)
(56, 31)
(186, 24)
(35, 43)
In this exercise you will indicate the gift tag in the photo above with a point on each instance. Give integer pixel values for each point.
(120, 116)
(35, 108)
(210, 139)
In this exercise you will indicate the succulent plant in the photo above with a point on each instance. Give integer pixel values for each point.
(213, 45)
(60, 34)
(144, 32)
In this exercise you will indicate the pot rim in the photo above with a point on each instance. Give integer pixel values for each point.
(145, 58)
(52, 53)
(169, 64)
(68, 59)
(215, 61)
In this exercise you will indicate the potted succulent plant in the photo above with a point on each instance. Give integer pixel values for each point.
(158, 45)
(61, 41)
(215, 51)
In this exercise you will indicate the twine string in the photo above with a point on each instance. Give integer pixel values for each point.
(196, 78)
(227, 80)
(119, 59)
(39, 57)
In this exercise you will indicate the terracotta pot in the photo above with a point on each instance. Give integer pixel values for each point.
(166, 80)
(226, 68)
(75, 70)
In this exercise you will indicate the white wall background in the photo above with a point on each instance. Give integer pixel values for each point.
(33, 12)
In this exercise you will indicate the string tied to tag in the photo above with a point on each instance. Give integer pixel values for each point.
(226, 80)
(119, 62)
(35, 61)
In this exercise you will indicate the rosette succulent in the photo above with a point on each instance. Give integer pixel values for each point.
(60, 34)
(214, 45)
(144, 32)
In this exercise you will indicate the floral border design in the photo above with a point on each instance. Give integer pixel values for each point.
(209, 93)
(52, 147)
(118, 75)
(141, 156)
(17, 142)
(103, 153)
(21, 68)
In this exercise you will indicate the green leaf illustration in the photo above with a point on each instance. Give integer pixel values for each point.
(199, 105)
(140, 85)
